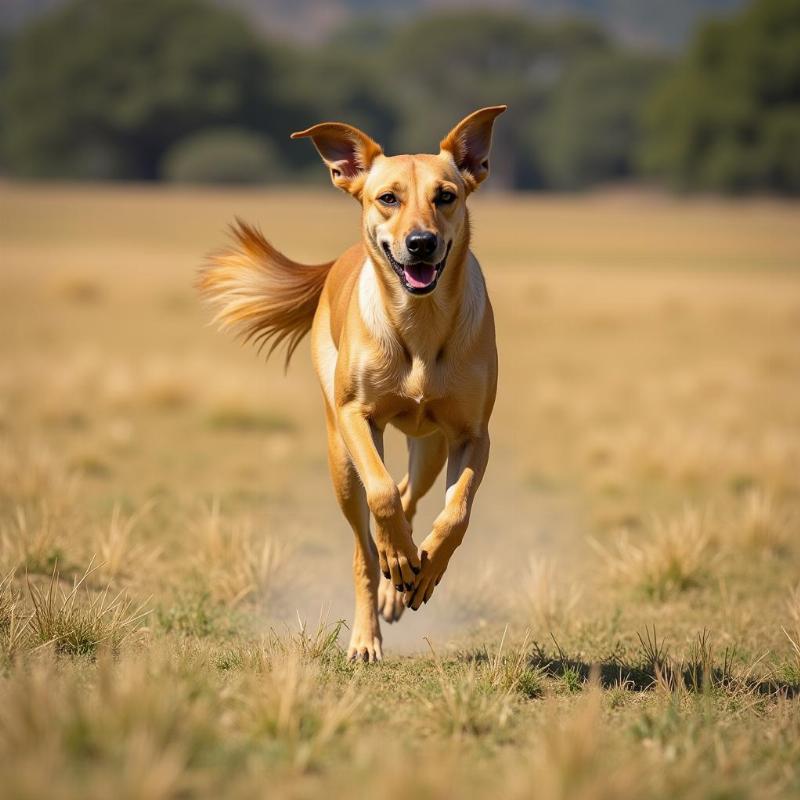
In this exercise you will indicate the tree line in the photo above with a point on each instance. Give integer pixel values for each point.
(185, 90)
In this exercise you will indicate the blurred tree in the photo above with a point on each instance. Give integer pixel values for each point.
(124, 88)
(728, 118)
(455, 63)
(591, 130)
(5, 43)
(102, 88)
(340, 84)
(222, 155)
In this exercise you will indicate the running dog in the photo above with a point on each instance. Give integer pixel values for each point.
(402, 333)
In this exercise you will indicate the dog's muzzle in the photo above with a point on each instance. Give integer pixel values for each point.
(417, 277)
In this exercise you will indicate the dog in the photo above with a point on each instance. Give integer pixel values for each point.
(402, 333)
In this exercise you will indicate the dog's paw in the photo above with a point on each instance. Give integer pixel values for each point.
(397, 555)
(390, 601)
(435, 553)
(365, 640)
(365, 645)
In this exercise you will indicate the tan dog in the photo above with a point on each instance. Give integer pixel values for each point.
(402, 332)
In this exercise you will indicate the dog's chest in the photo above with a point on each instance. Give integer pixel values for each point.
(418, 382)
(418, 389)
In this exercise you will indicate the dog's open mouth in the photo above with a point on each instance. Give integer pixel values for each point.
(418, 277)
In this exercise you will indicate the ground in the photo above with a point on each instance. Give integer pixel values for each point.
(622, 621)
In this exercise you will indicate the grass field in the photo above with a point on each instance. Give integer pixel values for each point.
(622, 621)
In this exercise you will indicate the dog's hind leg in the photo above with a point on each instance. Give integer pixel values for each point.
(390, 601)
(365, 640)
(426, 457)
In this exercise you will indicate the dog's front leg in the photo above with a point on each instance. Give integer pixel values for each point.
(466, 463)
(396, 551)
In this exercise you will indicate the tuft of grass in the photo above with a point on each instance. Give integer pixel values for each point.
(464, 709)
(14, 619)
(792, 633)
(119, 556)
(78, 621)
(512, 671)
(470, 703)
(238, 564)
(675, 558)
(572, 679)
(320, 644)
(293, 709)
(33, 542)
(656, 661)
(763, 526)
(791, 671)
(699, 673)
(530, 683)
(8, 602)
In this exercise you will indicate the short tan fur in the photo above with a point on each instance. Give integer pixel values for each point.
(402, 333)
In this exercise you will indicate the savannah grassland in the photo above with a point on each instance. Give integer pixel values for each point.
(623, 620)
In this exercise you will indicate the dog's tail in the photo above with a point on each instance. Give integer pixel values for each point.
(259, 293)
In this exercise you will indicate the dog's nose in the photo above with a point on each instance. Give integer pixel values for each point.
(421, 243)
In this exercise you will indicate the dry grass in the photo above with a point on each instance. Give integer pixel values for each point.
(792, 633)
(291, 706)
(549, 594)
(236, 562)
(30, 475)
(649, 370)
(79, 621)
(231, 416)
(72, 622)
(764, 526)
(463, 708)
(32, 541)
(677, 555)
(571, 759)
(119, 555)
(793, 604)
(14, 619)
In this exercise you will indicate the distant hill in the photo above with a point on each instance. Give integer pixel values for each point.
(649, 23)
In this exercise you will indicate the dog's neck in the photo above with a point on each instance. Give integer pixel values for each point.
(421, 325)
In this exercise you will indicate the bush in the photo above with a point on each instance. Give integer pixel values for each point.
(104, 88)
(591, 129)
(728, 118)
(222, 156)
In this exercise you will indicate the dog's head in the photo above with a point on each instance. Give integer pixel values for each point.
(414, 206)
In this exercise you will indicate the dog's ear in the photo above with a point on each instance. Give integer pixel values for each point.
(347, 152)
(469, 144)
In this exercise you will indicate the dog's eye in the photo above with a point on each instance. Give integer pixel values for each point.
(388, 199)
(445, 198)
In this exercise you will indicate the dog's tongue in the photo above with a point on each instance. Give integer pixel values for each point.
(418, 276)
